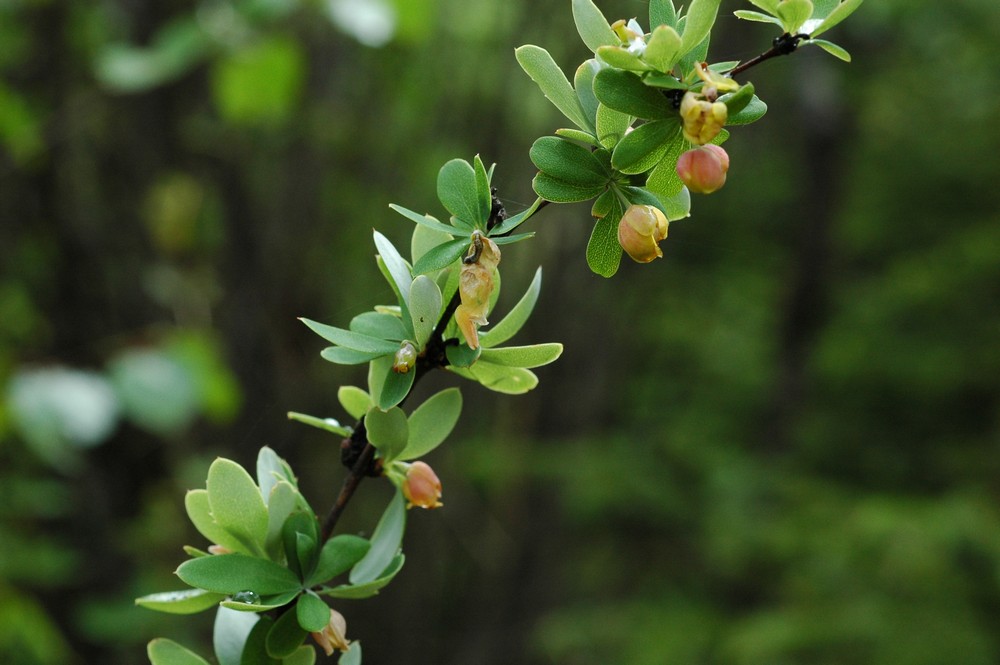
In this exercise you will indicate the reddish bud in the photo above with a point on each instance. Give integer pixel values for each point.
(703, 169)
(334, 635)
(639, 231)
(422, 487)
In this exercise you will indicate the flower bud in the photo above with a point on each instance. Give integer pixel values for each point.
(405, 358)
(334, 635)
(422, 487)
(639, 231)
(702, 119)
(703, 169)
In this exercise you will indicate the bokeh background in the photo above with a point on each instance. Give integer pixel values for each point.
(780, 444)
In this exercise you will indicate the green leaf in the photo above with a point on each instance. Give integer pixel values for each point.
(286, 635)
(662, 12)
(388, 431)
(663, 48)
(593, 27)
(578, 135)
(306, 655)
(510, 240)
(175, 49)
(424, 220)
(282, 502)
(313, 614)
(483, 192)
(306, 551)
(603, 205)
(424, 239)
(625, 92)
(431, 423)
(260, 83)
(643, 147)
(338, 555)
(663, 180)
(603, 251)
(737, 101)
(501, 379)
(200, 513)
(622, 58)
(458, 192)
(793, 13)
(230, 633)
(441, 256)
(539, 65)
(379, 325)
(516, 317)
(162, 651)
(559, 191)
(748, 15)
(350, 339)
(266, 604)
(188, 601)
(840, 12)
(354, 400)
(236, 503)
(831, 48)
(385, 543)
(611, 125)
(534, 355)
(461, 355)
(700, 18)
(583, 81)
(367, 589)
(425, 308)
(352, 656)
(232, 573)
(395, 387)
(341, 355)
(299, 522)
(331, 425)
(770, 6)
(568, 162)
(377, 372)
(397, 266)
(255, 649)
(752, 112)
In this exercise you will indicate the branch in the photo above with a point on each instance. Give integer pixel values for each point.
(782, 45)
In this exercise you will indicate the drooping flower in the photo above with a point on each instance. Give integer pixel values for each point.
(640, 230)
(334, 636)
(475, 285)
(422, 488)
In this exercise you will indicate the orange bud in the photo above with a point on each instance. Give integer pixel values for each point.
(422, 487)
(334, 636)
(639, 231)
(703, 169)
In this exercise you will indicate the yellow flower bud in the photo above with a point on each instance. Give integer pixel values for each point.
(475, 286)
(422, 487)
(639, 231)
(702, 119)
(334, 636)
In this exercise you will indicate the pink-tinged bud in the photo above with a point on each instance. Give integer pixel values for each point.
(703, 169)
(422, 487)
(639, 231)
(702, 119)
(219, 549)
(334, 636)
(405, 358)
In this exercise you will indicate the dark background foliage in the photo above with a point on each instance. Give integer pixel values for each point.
(779, 444)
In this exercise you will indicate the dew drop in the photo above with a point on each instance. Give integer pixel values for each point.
(248, 597)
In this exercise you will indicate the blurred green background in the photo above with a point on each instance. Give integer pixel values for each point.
(778, 445)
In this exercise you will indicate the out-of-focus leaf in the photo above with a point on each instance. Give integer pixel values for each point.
(156, 392)
(354, 400)
(260, 84)
(353, 655)
(162, 651)
(230, 634)
(188, 601)
(312, 613)
(255, 648)
(175, 49)
(385, 543)
(539, 65)
(432, 422)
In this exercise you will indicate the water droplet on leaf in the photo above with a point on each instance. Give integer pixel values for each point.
(248, 597)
